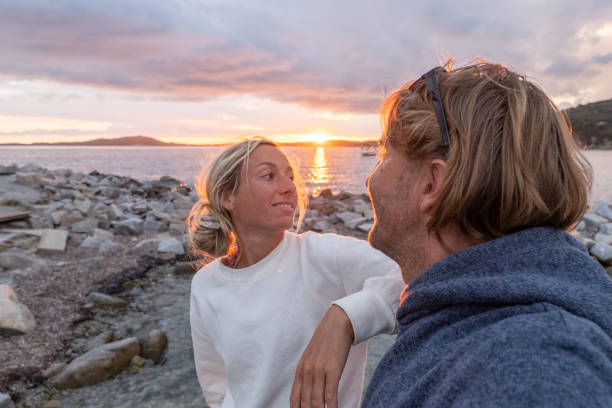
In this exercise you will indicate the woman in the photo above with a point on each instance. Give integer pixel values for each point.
(255, 307)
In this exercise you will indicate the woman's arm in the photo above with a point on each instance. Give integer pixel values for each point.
(373, 284)
(210, 367)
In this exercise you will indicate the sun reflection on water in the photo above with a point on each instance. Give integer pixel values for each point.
(319, 170)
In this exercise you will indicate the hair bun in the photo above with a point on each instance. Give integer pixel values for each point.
(209, 221)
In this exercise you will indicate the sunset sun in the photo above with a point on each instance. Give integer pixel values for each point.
(318, 137)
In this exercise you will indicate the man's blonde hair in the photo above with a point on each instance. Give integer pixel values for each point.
(512, 162)
(224, 176)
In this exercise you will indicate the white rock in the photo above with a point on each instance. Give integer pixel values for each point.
(7, 170)
(321, 225)
(102, 235)
(90, 242)
(606, 228)
(15, 317)
(84, 206)
(6, 401)
(108, 247)
(593, 220)
(130, 226)
(14, 260)
(31, 168)
(56, 216)
(85, 226)
(581, 226)
(602, 251)
(114, 212)
(602, 208)
(346, 216)
(172, 246)
(52, 241)
(29, 179)
(147, 247)
(355, 222)
(366, 227)
(605, 238)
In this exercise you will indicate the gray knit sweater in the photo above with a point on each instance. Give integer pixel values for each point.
(520, 321)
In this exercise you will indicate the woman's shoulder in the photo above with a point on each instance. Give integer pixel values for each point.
(311, 240)
(206, 272)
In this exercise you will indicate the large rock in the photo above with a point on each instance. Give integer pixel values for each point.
(102, 235)
(15, 260)
(593, 220)
(90, 242)
(605, 238)
(70, 218)
(171, 246)
(108, 247)
(365, 227)
(602, 251)
(29, 179)
(114, 212)
(98, 364)
(56, 216)
(606, 228)
(31, 168)
(603, 209)
(86, 226)
(6, 170)
(147, 247)
(52, 241)
(84, 206)
(102, 299)
(131, 226)
(15, 317)
(154, 344)
(6, 401)
(324, 226)
(111, 192)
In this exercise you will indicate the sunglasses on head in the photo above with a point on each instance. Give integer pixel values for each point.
(431, 81)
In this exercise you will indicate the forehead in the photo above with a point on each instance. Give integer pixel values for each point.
(266, 154)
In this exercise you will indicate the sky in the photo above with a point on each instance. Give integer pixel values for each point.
(189, 71)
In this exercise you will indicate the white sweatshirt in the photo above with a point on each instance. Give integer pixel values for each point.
(250, 326)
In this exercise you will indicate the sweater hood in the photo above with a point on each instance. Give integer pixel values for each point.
(531, 266)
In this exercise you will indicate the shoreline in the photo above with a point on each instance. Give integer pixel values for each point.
(123, 271)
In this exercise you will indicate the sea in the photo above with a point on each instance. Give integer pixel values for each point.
(336, 168)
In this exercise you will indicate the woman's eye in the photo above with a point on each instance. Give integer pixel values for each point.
(268, 176)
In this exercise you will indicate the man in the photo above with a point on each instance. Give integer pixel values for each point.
(478, 180)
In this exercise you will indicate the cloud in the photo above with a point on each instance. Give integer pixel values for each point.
(339, 57)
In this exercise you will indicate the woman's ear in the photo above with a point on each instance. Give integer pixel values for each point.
(434, 177)
(227, 201)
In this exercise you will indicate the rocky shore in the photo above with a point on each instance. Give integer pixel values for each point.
(94, 285)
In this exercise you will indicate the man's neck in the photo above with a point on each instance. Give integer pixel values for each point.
(435, 247)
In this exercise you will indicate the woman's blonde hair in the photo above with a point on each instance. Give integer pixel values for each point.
(215, 236)
(513, 162)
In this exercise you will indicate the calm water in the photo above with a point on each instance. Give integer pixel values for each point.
(339, 168)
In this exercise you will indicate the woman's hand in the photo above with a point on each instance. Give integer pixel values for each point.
(318, 373)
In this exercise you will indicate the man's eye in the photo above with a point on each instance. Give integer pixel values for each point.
(268, 176)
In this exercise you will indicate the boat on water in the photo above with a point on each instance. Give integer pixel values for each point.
(369, 149)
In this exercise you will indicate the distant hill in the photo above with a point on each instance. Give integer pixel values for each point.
(592, 123)
(150, 141)
(120, 141)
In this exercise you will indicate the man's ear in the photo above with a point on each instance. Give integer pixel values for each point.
(433, 179)
(227, 201)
